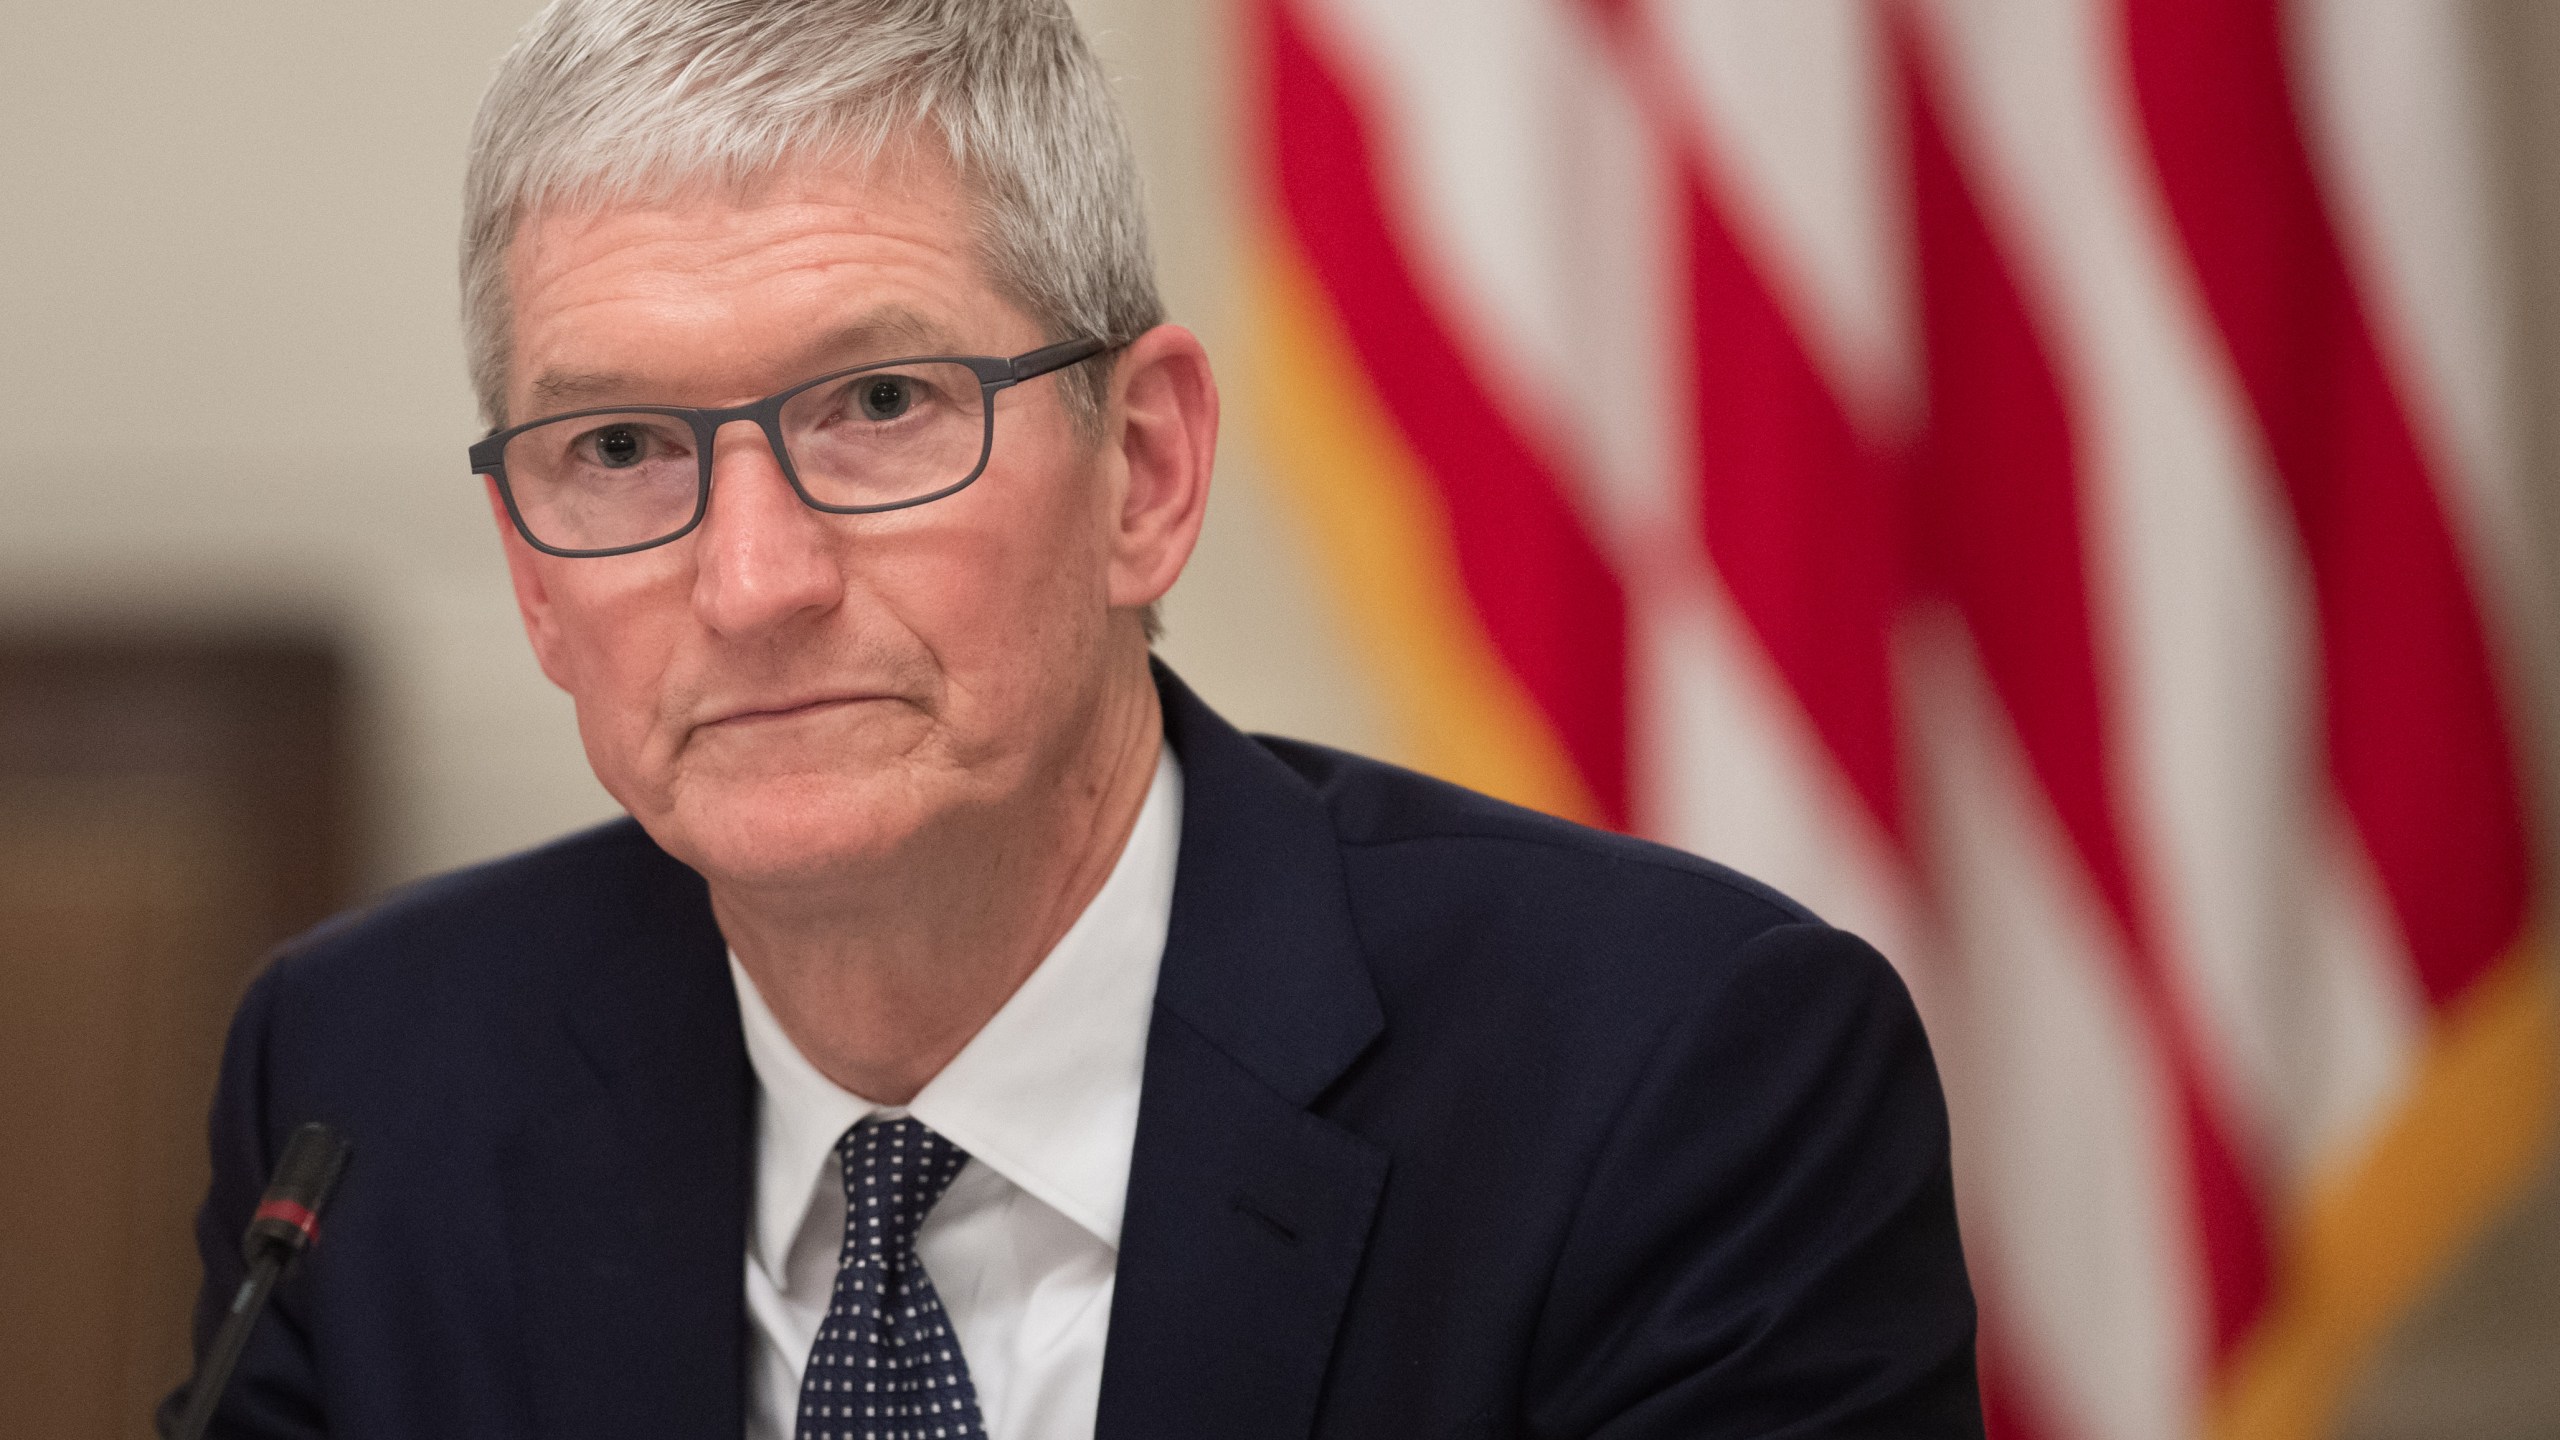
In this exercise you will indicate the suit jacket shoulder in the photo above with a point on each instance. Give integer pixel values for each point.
(1585, 907)
(538, 1063)
(1465, 1120)
(477, 925)
(1376, 804)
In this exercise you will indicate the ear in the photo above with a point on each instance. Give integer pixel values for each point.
(533, 597)
(1165, 427)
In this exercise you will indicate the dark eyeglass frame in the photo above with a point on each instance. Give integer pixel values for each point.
(488, 456)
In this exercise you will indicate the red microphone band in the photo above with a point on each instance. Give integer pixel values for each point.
(291, 1214)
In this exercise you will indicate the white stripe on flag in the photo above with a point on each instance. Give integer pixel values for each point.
(2065, 1149)
(2198, 591)
(1743, 780)
(1533, 207)
(1791, 100)
(2391, 97)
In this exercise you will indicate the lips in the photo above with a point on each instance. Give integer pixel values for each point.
(788, 709)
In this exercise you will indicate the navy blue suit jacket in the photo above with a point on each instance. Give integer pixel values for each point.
(1458, 1121)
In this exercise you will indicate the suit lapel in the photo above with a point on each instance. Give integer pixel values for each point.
(628, 1194)
(1247, 1214)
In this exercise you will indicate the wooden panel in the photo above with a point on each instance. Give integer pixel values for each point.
(167, 812)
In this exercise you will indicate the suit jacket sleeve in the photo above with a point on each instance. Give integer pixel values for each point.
(274, 1395)
(1767, 1246)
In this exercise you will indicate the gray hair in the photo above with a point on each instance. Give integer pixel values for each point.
(625, 101)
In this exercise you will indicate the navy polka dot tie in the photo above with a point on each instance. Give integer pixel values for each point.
(886, 1365)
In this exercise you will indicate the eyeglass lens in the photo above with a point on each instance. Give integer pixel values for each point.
(872, 438)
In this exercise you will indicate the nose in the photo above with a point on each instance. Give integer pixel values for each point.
(764, 558)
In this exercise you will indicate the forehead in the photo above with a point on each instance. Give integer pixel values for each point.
(728, 286)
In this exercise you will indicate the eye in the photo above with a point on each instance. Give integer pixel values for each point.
(884, 397)
(618, 447)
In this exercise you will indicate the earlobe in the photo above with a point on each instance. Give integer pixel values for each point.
(533, 599)
(1166, 429)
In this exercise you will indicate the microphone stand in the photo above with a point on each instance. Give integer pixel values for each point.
(287, 1222)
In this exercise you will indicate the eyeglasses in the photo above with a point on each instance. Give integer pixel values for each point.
(882, 436)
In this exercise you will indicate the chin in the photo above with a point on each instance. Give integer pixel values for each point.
(789, 829)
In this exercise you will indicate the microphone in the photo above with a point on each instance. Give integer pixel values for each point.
(286, 1223)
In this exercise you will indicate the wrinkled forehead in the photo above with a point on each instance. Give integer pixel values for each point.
(912, 182)
(887, 333)
(823, 264)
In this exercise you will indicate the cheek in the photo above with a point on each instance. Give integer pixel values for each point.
(616, 629)
(1004, 604)
(1018, 591)
(1055, 563)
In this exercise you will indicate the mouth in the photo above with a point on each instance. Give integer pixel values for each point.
(754, 715)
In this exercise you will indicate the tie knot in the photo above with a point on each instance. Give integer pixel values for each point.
(885, 1365)
(894, 1171)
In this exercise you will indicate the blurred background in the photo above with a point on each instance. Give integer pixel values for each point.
(2068, 488)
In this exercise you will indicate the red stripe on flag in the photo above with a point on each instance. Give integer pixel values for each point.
(1800, 517)
(2000, 532)
(1552, 604)
(1799, 512)
(2418, 742)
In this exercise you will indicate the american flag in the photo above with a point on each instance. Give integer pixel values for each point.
(2032, 479)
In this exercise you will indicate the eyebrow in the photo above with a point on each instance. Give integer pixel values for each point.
(887, 333)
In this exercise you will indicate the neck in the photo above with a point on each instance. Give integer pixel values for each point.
(880, 979)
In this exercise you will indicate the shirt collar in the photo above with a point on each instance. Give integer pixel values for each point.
(1045, 1094)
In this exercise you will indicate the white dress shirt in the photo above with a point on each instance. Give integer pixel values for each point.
(1023, 1246)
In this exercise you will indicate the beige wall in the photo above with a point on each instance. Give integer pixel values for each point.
(227, 338)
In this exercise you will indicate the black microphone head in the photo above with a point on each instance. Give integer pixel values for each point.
(288, 1215)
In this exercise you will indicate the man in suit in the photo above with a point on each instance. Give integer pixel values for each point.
(969, 1033)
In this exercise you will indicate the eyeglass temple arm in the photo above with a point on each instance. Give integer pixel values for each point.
(1052, 357)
